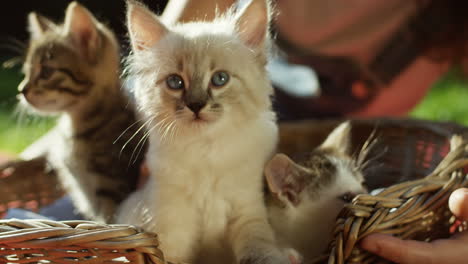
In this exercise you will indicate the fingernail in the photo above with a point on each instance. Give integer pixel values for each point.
(458, 203)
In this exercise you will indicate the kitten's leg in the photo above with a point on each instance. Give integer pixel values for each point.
(105, 209)
(41, 146)
(252, 236)
(175, 221)
(177, 225)
(104, 197)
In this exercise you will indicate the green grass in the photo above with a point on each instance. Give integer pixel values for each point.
(16, 133)
(446, 101)
(17, 129)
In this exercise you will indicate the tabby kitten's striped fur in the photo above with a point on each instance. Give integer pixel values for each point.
(73, 70)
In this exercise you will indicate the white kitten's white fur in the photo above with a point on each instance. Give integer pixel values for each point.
(204, 196)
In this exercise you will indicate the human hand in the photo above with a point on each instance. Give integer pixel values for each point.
(446, 251)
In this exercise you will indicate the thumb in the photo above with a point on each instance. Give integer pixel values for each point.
(398, 250)
(458, 203)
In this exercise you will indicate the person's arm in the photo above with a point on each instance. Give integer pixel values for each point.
(192, 10)
(443, 251)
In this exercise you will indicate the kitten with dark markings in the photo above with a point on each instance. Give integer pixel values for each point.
(305, 198)
(204, 90)
(72, 69)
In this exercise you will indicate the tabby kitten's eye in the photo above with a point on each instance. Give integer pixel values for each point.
(46, 72)
(175, 82)
(220, 78)
(347, 197)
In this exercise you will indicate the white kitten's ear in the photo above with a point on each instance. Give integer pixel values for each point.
(81, 26)
(285, 179)
(252, 23)
(144, 27)
(339, 139)
(38, 25)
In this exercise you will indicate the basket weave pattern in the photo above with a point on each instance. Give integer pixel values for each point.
(27, 184)
(31, 241)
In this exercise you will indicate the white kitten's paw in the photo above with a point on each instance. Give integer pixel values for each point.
(294, 256)
(267, 257)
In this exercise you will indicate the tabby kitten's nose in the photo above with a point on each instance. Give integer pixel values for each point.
(196, 106)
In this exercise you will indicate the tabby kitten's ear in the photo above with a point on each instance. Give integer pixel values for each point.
(286, 179)
(144, 27)
(38, 25)
(81, 26)
(252, 23)
(339, 139)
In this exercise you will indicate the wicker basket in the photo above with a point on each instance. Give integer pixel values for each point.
(31, 185)
(406, 150)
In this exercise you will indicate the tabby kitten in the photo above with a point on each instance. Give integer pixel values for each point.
(204, 89)
(306, 197)
(73, 70)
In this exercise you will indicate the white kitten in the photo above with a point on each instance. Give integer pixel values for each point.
(306, 198)
(204, 92)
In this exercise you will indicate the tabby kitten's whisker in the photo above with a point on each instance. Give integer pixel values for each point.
(12, 62)
(14, 41)
(12, 48)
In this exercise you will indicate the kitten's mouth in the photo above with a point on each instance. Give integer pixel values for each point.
(199, 119)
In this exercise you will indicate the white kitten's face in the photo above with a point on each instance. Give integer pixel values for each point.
(202, 80)
(199, 75)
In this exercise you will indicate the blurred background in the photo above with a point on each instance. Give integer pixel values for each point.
(445, 101)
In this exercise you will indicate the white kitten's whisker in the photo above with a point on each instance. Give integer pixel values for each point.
(173, 130)
(166, 130)
(141, 144)
(133, 136)
(125, 131)
(144, 139)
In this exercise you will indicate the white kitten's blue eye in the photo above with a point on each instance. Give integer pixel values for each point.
(175, 82)
(220, 78)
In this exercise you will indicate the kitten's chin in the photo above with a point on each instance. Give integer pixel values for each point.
(50, 107)
(200, 120)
